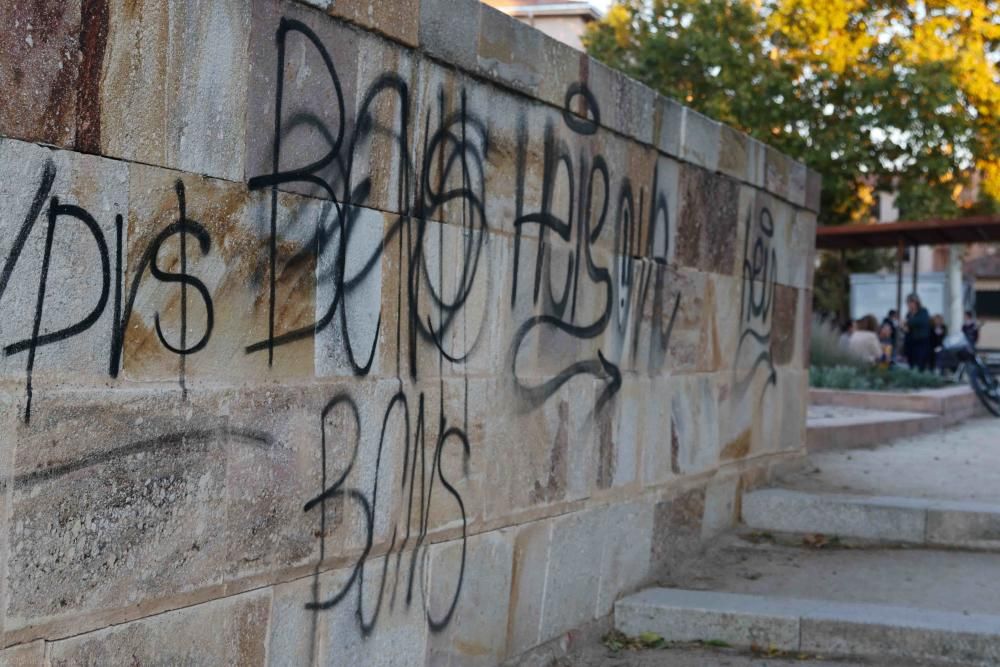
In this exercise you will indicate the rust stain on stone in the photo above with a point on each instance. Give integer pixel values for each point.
(738, 448)
(555, 486)
(606, 453)
(675, 451)
(93, 40)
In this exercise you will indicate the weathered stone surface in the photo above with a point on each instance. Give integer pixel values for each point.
(676, 531)
(446, 333)
(670, 116)
(317, 104)
(734, 153)
(700, 140)
(399, 20)
(477, 633)
(508, 50)
(698, 414)
(114, 506)
(231, 631)
(79, 278)
(721, 506)
(625, 558)
(39, 70)
(527, 590)
(23, 655)
(449, 30)
(706, 225)
(171, 75)
(573, 580)
(234, 268)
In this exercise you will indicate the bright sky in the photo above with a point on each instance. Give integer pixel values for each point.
(601, 4)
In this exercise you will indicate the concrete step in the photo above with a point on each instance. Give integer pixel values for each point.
(822, 627)
(922, 521)
(836, 428)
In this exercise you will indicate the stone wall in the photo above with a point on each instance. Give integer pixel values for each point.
(383, 332)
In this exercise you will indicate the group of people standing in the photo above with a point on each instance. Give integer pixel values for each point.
(922, 336)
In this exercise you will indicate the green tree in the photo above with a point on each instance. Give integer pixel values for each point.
(899, 95)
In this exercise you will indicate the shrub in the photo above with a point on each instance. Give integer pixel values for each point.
(873, 378)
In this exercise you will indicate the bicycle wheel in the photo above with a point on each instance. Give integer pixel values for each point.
(986, 386)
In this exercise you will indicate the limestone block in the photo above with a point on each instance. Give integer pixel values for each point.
(734, 153)
(379, 150)
(698, 414)
(267, 487)
(626, 555)
(317, 103)
(721, 506)
(754, 410)
(453, 173)
(559, 65)
(700, 140)
(664, 205)
(619, 434)
(548, 449)
(798, 183)
(706, 226)
(76, 320)
(785, 325)
(574, 572)
(23, 655)
(381, 621)
(774, 245)
(294, 636)
(173, 81)
(234, 269)
(476, 633)
(660, 447)
(530, 567)
(604, 84)
(352, 339)
(676, 531)
(635, 110)
(447, 299)
(40, 71)
(804, 240)
(668, 125)
(514, 163)
(116, 503)
(231, 631)
(449, 31)
(509, 51)
(399, 20)
(694, 343)
(778, 169)
(725, 320)
(467, 409)
(756, 163)
(557, 304)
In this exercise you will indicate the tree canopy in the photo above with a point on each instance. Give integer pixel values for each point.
(895, 95)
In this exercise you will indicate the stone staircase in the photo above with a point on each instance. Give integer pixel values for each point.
(817, 572)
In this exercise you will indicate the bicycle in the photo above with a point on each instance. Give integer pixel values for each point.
(970, 364)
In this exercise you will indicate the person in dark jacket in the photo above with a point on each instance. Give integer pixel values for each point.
(971, 328)
(939, 331)
(917, 343)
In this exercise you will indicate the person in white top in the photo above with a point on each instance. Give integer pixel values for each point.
(864, 341)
